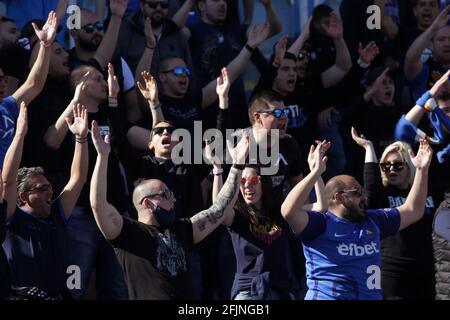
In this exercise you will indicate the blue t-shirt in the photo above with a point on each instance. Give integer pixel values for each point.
(342, 257)
(9, 112)
(419, 85)
(36, 250)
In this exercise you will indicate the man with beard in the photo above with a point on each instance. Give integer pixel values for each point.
(170, 41)
(342, 245)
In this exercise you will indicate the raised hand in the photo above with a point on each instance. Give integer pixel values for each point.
(103, 147)
(376, 85)
(369, 52)
(423, 157)
(81, 86)
(280, 50)
(61, 9)
(441, 20)
(440, 84)
(149, 35)
(360, 139)
(48, 33)
(223, 84)
(324, 117)
(79, 127)
(22, 120)
(334, 29)
(240, 152)
(257, 34)
(316, 157)
(118, 7)
(214, 159)
(306, 29)
(150, 91)
(113, 82)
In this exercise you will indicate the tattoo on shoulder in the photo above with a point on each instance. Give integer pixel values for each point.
(114, 218)
(214, 213)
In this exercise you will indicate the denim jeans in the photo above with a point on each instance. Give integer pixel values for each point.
(88, 249)
(336, 154)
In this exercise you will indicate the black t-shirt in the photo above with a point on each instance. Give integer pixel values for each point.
(261, 255)
(5, 279)
(156, 261)
(409, 251)
(183, 180)
(37, 250)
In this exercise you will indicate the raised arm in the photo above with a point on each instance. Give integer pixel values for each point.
(301, 39)
(343, 62)
(413, 208)
(12, 161)
(36, 79)
(370, 155)
(181, 16)
(79, 169)
(413, 63)
(108, 219)
(147, 56)
(150, 93)
(105, 51)
(389, 27)
(419, 110)
(271, 17)
(257, 34)
(55, 134)
(206, 221)
(292, 207)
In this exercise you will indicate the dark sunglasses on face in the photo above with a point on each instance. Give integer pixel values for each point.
(160, 130)
(40, 187)
(154, 4)
(179, 71)
(166, 194)
(89, 28)
(397, 166)
(252, 180)
(277, 113)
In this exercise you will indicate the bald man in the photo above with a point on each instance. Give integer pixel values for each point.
(342, 245)
(154, 250)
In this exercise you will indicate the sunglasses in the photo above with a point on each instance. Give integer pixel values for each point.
(357, 192)
(40, 187)
(160, 130)
(277, 113)
(166, 194)
(180, 71)
(252, 180)
(397, 166)
(89, 28)
(154, 4)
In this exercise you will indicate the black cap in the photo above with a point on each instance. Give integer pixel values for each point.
(372, 74)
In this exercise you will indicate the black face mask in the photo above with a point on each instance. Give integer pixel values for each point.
(165, 218)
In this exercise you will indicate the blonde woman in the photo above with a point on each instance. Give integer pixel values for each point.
(407, 256)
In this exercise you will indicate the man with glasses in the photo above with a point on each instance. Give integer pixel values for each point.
(36, 239)
(342, 245)
(170, 41)
(153, 251)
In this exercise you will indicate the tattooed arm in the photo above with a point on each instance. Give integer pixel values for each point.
(108, 219)
(204, 222)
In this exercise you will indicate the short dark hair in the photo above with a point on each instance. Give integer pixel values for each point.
(163, 63)
(414, 3)
(23, 176)
(259, 102)
(320, 12)
(170, 123)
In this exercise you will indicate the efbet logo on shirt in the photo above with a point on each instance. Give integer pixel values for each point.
(353, 249)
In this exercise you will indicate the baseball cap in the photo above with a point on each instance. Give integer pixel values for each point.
(372, 74)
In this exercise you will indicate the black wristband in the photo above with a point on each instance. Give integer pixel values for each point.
(239, 166)
(249, 48)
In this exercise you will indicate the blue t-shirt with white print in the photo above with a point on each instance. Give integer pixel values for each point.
(9, 112)
(342, 257)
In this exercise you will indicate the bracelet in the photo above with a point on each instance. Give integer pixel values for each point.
(362, 64)
(430, 105)
(217, 171)
(151, 48)
(423, 99)
(81, 139)
(239, 166)
(249, 48)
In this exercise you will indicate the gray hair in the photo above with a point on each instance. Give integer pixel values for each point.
(23, 176)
